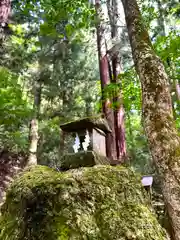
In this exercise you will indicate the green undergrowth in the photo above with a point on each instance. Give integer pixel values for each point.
(101, 202)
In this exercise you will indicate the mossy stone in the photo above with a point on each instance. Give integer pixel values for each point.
(102, 202)
(82, 159)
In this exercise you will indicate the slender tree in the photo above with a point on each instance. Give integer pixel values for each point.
(33, 130)
(105, 80)
(160, 129)
(175, 86)
(5, 10)
(160, 20)
(115, 56)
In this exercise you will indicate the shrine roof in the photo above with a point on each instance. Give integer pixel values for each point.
(86, 123)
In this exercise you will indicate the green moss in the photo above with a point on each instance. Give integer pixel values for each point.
(82, 159)
(89, 203)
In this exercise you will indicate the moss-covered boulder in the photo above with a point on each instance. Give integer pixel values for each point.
(90, 203)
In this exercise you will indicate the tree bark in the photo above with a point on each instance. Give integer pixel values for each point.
(33, 130)
(116, 70)
(161, 20)
(176, 86)
(104, 76)
(178, 90)
(5, 10)
(33, 138)
(160, 129)
(131, 137)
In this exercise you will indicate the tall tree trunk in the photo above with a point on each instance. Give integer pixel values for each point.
(175, 87)
(5, 10)
(178, 91)
(160, 20)
(160, 129)
(131, 137)
(104, 76)
(113, 13)
(33, 130)
(174, 82)
(62, 133)
(88, 107)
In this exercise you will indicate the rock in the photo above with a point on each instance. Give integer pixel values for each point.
(101, 202)
(82, 159)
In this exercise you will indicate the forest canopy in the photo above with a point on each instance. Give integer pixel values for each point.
(66, 60)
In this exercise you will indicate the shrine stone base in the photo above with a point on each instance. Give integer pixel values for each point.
(82, 159)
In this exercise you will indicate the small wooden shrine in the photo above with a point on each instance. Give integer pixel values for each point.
(89, 143)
